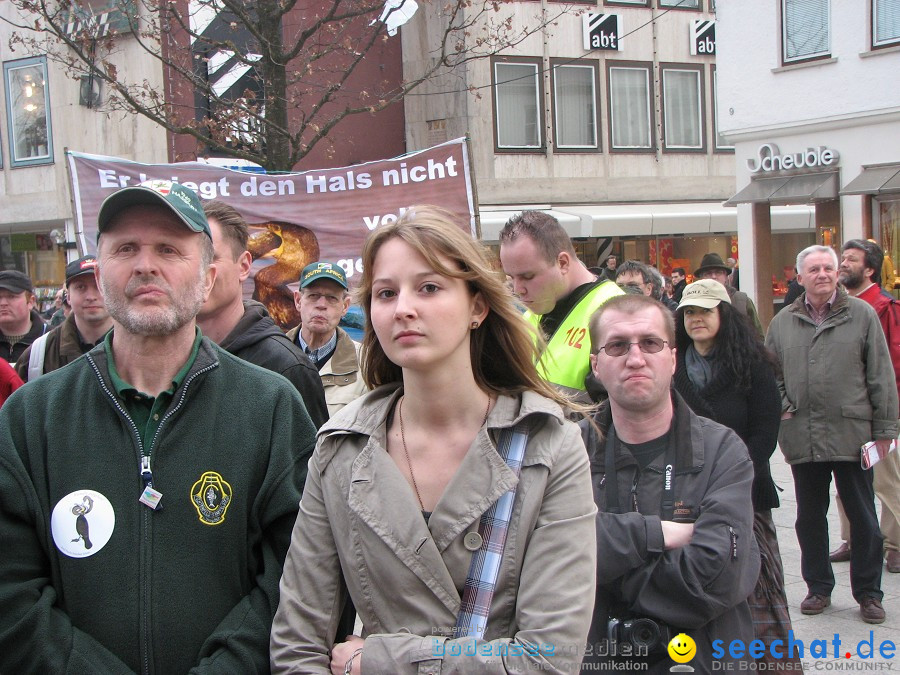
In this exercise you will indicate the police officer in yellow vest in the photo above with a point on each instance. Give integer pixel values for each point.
(559, 292)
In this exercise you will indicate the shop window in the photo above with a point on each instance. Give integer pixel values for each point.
(805, 29)
(887, 227)
(629, 106)
(679, 4)
(575, 106)
(885, 22)
(28, 112)
(721, 144)
(682, 89)
(517, 104)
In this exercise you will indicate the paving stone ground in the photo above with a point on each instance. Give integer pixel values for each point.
(842, 617)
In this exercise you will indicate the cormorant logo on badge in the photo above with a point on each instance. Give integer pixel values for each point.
(211, 496)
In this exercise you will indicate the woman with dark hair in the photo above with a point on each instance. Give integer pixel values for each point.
(410, 484)
(725, 373)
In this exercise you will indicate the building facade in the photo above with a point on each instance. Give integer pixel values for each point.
(808, 95)
(605, 118)
(316, 66)
(45, 112)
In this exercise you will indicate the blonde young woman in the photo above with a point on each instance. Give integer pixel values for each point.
(400, 479)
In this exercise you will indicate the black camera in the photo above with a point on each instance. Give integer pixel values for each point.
(647, 636)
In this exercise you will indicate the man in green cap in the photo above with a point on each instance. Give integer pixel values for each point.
(323, 300)
(150, 524)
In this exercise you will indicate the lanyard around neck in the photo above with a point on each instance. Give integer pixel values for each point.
(667, 502)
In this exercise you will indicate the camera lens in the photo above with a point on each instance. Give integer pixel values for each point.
(645, 633)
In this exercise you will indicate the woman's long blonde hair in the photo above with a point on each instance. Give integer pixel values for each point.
(503, 347)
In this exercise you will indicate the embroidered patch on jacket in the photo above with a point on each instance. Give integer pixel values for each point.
(82, 523)
(211, 496)
(683, 511)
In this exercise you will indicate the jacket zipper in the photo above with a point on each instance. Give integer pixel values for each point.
(634, 485)
(146, 476)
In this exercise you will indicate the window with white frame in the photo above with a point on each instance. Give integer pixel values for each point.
(629, 107)
(805, 32)
(885, 22)
(721, 142)
(517, 105)
(680, 4)
(28, 112)
(575, 106)
(682, 109)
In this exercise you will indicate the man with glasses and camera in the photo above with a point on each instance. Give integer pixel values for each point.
(675, 520)
(323, 300)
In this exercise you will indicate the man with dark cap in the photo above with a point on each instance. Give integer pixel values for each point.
(712, 267)
(149, 524)
(20, 322)
(244, 327)
(82, 330)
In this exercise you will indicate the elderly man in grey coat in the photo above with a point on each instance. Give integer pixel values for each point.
(838, 392)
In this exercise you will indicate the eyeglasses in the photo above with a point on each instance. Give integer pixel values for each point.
(648, 345)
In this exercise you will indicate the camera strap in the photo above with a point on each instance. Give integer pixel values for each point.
(667, 502)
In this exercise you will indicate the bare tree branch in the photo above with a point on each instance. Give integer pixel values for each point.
(298, 64)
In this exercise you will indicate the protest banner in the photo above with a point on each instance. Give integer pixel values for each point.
(294, 218)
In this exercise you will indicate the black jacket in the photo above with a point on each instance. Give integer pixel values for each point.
(12, 353)
(258, 340)
(677, 290)
(700, 589)
(794, 291)
(755, 416)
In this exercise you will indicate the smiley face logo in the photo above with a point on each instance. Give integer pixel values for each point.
(682, 648)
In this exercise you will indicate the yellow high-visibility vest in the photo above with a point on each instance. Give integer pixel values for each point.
(566, 360)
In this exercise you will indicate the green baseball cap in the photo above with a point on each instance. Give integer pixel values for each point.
(182, 201)
(322, 270)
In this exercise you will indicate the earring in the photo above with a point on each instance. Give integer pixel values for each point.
(474, 325)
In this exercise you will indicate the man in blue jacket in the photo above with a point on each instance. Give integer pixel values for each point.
(146, 532)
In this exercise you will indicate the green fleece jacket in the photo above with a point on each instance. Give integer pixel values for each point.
(192, 586)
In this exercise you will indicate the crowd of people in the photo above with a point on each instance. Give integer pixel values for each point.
(466, 490)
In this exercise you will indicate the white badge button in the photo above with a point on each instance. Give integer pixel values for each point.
(82, 523)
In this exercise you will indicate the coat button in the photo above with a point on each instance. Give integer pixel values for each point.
(472, 541)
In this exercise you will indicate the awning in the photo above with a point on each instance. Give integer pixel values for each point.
(493, 218)
(875, 180)
(646, 219)
(801, 189)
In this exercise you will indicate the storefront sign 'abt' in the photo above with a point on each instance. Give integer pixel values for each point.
(771, 159)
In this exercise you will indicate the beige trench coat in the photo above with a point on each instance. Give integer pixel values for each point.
(359, 516)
